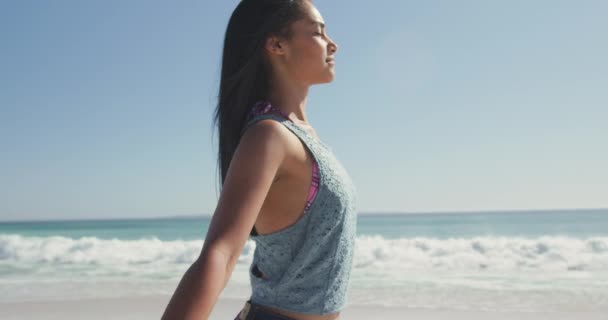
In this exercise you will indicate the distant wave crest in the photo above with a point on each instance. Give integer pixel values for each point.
(548, 253)
(373, 253)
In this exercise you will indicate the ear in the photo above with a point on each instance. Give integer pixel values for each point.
(275, 45)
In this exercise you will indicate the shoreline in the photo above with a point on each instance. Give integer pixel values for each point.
(152, 306)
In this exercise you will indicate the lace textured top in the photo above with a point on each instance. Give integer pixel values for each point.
(307, 265)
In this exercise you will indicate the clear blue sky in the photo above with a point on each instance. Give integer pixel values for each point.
(106, 106)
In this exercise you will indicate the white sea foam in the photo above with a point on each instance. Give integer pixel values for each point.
(374, 254)
(486, 272)
(545, 253)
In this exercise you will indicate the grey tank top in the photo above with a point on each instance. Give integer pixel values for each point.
(306, 266)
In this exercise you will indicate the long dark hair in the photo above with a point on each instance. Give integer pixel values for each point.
(245, 71)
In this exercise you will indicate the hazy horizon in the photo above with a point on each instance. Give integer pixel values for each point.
(369, 213)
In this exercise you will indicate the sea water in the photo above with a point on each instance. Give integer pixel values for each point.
(551, 260)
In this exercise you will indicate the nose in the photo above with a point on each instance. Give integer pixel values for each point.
(333, 47)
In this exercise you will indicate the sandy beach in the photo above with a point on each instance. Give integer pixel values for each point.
(151, 307)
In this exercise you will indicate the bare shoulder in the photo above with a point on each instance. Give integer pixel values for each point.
(266, 128)
(266, 136)
(253, 169)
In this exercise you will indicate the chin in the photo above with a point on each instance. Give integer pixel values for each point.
(325, 81)
(328, 78)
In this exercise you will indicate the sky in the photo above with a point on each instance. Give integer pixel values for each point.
(436, 106)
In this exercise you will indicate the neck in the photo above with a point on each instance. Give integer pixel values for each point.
(290, 99)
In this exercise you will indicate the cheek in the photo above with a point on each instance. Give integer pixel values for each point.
(310, 58)
(306, 61)
(303, 63)
(310, 51)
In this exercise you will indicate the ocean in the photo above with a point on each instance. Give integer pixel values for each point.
(550, 260)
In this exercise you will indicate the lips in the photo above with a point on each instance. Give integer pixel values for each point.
(330, 60)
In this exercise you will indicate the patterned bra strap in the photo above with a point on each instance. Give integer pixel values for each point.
(262, 107)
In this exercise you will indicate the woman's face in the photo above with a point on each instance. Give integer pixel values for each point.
(304, 58)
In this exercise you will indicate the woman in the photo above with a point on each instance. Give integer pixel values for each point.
(281, 185)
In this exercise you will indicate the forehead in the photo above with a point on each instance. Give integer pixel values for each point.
(312, 17)
(312, 23)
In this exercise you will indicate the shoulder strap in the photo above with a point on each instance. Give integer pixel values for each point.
(264, 110)
(256, 118)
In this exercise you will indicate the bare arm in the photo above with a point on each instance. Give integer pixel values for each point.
(253, 168)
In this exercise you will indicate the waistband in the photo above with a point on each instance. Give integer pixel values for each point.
(254, 311)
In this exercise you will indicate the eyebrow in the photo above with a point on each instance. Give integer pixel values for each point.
(318, 23)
